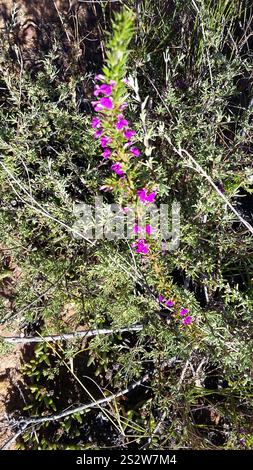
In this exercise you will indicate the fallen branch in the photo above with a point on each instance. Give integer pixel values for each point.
(24, 424)
(67, 336)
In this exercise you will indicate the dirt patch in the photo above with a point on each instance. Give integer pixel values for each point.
(35, 26)
(10, 274)
(10, 379)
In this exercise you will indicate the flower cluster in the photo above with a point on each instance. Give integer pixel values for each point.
(187, 319)
(112, 112)
(141, 246)
(169, 303)
(116, 138)
(145, 197)
(112, 129)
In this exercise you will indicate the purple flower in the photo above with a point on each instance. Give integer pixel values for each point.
(129, 133)
(148, 229)
(141, 193)
(146, 197)
(112, 82)
(103, 89)
(102, 103)
(104, 141)
(151, 197)
(121, 122)
(141, 246)
(183, 311)
(136, 152)
(106, 153)
(96, 123)
(187, 320)
(136, 228)
(161, 298)
(117, 168)
(98, 133)
(106, 103)
(96, 91)
(96, 105)
(169, 303)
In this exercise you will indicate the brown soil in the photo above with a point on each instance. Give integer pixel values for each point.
(10, 380)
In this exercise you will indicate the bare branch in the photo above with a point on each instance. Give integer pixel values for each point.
(24, 424)
(67, 336)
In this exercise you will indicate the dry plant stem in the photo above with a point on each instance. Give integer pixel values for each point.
(68, 336)
(11, 316)
(62, 22)
(201, 171)
(156, 430)
(24, 424)
(204, 37)
(37, 207)
(183, 373)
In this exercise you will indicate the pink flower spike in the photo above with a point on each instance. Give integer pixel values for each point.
(169, 303)
(148, 229)
(121, 123)
(98, 133)
(103, 89)
(141, 193)
(106, 154)
(187, 320)
(145, 197)
(105, 103)
(161, 298)
(96, 123)
(136, 228)
(117, 168)
(141, 246)
(151, 197)
(129, 133)
(136, 152)
(183, 311)
(96, 105)
(104, 141)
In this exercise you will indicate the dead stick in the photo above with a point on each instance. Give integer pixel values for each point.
(67, 336)
(24, 424)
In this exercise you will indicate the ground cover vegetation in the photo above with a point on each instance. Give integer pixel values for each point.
(157, 107)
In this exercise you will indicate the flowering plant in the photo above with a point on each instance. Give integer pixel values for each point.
(118, 144)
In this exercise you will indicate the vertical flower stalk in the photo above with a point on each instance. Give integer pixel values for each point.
(118, 141)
